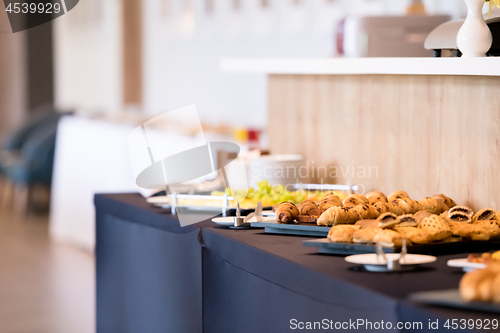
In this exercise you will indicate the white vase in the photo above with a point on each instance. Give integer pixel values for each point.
(474, 38)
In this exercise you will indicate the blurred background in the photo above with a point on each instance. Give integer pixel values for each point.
(73, 89)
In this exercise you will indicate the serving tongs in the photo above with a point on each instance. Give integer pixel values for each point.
(395, 264)
(242, 222)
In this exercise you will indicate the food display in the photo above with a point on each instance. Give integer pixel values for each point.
(483, 258)
(375, 218)
(482, 285)
(270, 195)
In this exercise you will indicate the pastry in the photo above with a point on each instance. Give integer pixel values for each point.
(365, 235)
(436, 226)
(305, 206)
(461, 209)
(484, 214)
(307, 219)
(447, 200)
(361, 197)
(286, 212)
(463, 229)
(374, 197)
(489, 226)
(329, 201)
(419, 216)
(459, 217)
(365, 211)
(407, 221)
(338, 215)
(414, 235)
(354, 200)
(382, 207)
(433, 205)
(407, 205)
(366, 224)
(388, 238)
(395, 208)
(387, 220)
(483, 258)
(397, 195)
(342, 233)
(482, 285)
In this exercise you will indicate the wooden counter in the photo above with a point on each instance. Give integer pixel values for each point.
(426, 126)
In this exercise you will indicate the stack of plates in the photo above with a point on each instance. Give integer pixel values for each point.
(278, 170)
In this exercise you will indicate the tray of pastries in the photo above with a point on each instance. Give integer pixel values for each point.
(478, 290)
(356, 223)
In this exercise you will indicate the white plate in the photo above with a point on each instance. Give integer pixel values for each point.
(372, 263)
(229, 220)
(465, 265)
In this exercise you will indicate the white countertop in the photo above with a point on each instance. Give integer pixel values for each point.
(405, 66)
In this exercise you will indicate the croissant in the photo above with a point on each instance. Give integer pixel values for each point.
(338, 215)
(374, 197)
(397, 195)
(447, 200)
(482, 285)
(329, 201)
(433, 205)
(286, 212)
(354, 200)
(306, 206)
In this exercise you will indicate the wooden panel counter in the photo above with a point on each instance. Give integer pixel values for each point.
(425, 125)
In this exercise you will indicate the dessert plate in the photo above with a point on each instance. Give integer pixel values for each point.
(465, 265)
(229, 220)
(374, 263)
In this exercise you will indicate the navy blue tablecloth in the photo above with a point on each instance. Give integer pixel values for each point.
(154, 276)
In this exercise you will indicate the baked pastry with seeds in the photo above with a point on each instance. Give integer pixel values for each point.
(397, 195)
(382, 207)
(354, 200)
(329, 201)
(375, 196)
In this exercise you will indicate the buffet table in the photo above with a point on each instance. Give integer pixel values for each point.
(154, 276)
